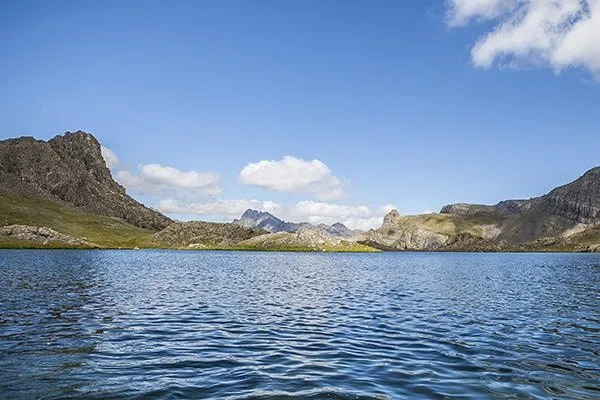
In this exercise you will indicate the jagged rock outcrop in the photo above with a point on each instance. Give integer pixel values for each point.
(40, 235)
(404, 233)
(579, 200)
(340, 230)
(70, 168)
(197, 233)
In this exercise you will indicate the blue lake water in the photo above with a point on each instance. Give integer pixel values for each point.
(238, 325)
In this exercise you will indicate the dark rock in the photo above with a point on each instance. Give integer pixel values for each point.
(579, 200)
(198, 234)
(40, 235)
(469, 242)
(71, 168)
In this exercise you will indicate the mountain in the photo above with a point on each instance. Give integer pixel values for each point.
(339, 230)
(537, 223)
(267, 221)
(70, 169)
(60, 193)
(554, 214)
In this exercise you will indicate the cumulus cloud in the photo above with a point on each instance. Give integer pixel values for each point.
(226, 208)
(322, 209)
(294, 175)
(155, 179)
(557, 33)
(355, 217)
(110, 157)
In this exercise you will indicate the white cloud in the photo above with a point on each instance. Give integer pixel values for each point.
(461, 12)
(294, 175)
(155, 179)
(354, 217)
(557, 33)
(110, 157)
(322, 209)
(227, 208)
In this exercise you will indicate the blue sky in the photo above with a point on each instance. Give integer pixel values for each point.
(414, 104)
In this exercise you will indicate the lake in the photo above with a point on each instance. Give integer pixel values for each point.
(238, 325)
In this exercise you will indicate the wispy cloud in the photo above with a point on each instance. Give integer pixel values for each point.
(559, 34)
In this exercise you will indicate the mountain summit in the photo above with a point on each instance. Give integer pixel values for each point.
(267, 221)
(70, 168)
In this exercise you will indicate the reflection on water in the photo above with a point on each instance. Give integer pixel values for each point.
(122, 324)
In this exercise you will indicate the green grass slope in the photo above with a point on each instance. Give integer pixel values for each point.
(102, 231)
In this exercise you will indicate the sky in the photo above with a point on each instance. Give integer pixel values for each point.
(314, 110)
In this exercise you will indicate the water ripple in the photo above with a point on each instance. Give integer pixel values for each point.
(234, 325)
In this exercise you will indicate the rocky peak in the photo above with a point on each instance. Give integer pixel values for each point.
(84, 152)
(391, 217)
(71, 168)
(264, 220)
(252, 214)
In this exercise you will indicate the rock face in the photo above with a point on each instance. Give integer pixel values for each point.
(578, 201)
(408, 233)
(339, 230)
(523, 222)
(40, 235)
(197, 234)
(70, 168)
(266, 221)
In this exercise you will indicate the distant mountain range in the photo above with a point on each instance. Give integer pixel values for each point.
(59, 193)
(267, 221)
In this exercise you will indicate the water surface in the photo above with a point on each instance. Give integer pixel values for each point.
(238, 325)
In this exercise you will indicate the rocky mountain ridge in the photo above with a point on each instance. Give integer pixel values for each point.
(70, 168)
(267, 221)
(508, 225)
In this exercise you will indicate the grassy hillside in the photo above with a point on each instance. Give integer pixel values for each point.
(449, 224)
(303, 240)
(102, 231)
